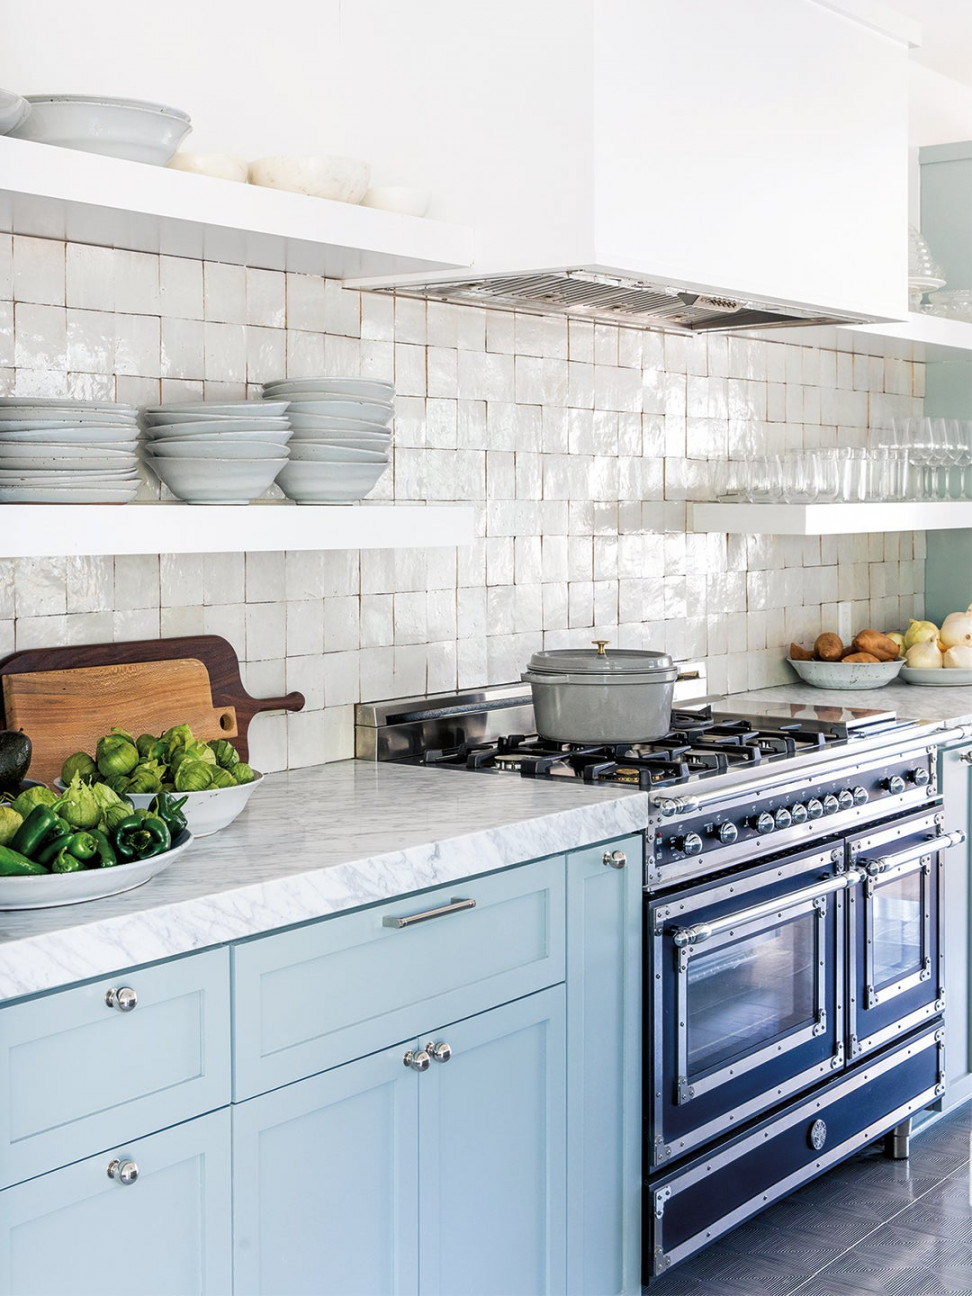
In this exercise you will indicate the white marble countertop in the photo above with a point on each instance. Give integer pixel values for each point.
(943, 704)
(312, 842)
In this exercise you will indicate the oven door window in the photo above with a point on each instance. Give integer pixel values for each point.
(897, 934)
(751, 994)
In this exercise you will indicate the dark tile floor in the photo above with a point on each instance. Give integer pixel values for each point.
(871, 1225)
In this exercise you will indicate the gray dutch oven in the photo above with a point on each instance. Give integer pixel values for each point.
(581, 696)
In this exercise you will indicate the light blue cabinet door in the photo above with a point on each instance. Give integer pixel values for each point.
(604, 997)
(77, 1232)
(326, 1184)
(492, 1136)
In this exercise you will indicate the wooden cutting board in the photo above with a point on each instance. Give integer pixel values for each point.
(65, 699)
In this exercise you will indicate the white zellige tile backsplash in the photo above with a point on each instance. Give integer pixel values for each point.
(578, 444)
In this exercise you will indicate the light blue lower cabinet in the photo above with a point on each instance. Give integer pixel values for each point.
(79, 1232)
(375, 1179)
(604, 998)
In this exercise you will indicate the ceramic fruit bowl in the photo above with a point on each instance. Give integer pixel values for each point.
(846, 675)
(207, 811)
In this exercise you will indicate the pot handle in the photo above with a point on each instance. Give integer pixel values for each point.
(529, 678)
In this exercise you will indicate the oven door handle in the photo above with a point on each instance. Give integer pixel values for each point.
(885, 863)
(700, 932)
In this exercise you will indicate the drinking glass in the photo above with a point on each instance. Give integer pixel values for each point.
(800, 482)
(852, 473)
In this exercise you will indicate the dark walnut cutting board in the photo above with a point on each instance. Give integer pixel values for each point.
(65, 699)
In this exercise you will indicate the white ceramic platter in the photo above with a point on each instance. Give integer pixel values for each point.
(361, 411)
(121, 437)
(936, 678)
(356, 388)
(65, 402)
(38, 416)
(62, 463)
(49, 890)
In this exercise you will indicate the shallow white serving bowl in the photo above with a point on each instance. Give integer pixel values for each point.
(216, 481)
(69, 403)
(217, 409)
(405, 199)
(209, 810)
(61, 462)
(315, 451)
(319, 423)
(357, 388)
(165, 436)
(81, 494)
(124, 128)
(214, 448)
(221, 166)
(847, 675)
(329, 483)
(38, 416)
(343, 179)
(120, 438)
(380, 412)
(11, 447)
(217, 426)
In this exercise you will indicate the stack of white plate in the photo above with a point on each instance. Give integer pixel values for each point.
(342, 436)
(209, 452)
(62, 451)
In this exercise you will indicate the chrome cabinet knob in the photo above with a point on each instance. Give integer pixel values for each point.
(126, 1172)
(124, 999)
(440, 1052)
(614, 859)
(417, 1061)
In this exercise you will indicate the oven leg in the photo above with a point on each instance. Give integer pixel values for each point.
(896, 1141)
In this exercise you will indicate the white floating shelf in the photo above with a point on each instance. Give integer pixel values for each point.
(829, 519)
(85, 198)
(938, 338)
(45, 530)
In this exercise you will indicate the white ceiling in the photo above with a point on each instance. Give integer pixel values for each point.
(946, 35)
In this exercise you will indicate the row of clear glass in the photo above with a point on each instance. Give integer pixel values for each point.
(912, 459)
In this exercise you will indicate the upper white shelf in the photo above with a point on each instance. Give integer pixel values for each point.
(85, 198)
(46, 530)
(829, 519)
(939, 338)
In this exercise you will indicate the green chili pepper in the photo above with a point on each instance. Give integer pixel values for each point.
(65, 862)
(83, 845)
(34, 831)
(50, 850)
(13, 864)
(170, 811)
(105, 855)
(136, 838)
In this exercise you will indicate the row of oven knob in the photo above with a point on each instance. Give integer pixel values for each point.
(767, 821)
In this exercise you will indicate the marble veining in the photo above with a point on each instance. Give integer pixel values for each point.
(313, 842)
(943, 705)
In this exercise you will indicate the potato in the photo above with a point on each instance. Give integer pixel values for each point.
(828, 647)
(860, 657)
(799, 654)
(877, 644)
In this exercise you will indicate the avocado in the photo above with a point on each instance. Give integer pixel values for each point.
(15, 753)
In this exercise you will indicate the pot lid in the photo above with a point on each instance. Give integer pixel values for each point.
(600, 661)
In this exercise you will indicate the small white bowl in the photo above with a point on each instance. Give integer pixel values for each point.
(221, 166)
(406, 199)
(206, 811)
(176, 412)
(216, 426)
(380, 412)
(847, 675)
(214, 448)
(216, 481)
(355, 388)
(342, 179)
(124, 128)
(329, 483)
(321, 452)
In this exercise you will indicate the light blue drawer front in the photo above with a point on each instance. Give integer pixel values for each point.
(313, 998)
(78, 1232)
(80, 1074)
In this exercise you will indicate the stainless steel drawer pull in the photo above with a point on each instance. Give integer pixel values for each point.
(124, 999)
(456, 906)
(614, 859)
(126, 1172)
(914, 855)
(702, 931)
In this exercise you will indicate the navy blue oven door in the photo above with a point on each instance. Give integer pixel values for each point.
(744, 996)
(895, 966)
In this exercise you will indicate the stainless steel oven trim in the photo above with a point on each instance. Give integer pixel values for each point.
(878, 993)
(828, 860)
(662, 1259)
(799, 906)
(690, 936)
(900, 1026)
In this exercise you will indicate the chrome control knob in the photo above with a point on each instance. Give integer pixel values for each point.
(815, 808)
(726, 832)
(417, 1061)
(845, 799)
(441, 1052)
(799, 813)
(764, 823)
(126, 1172)
(783, 818)
(124, 999)
(895, 784)
(830, 804)
(691, 843)
(861, 795)
(920, 776)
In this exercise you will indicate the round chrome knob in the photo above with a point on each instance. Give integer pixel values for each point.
(783, 818)
(845, 799)
(919, 776)
(417, 1061)
(764, 823)
(726, 832)
(440, 1052)
(126, 1172)
(830, 804)
(860, 795)
(798, 813)
(895, 784)
(124, 999)
(614, 859)
(815, 808)
(691, 843)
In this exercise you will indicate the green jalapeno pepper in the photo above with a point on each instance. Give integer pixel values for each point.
(138, 838)
(13, 864)
(105, 855)
(169, 810)
(65, 862)
(51, 848)
(34, 831)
